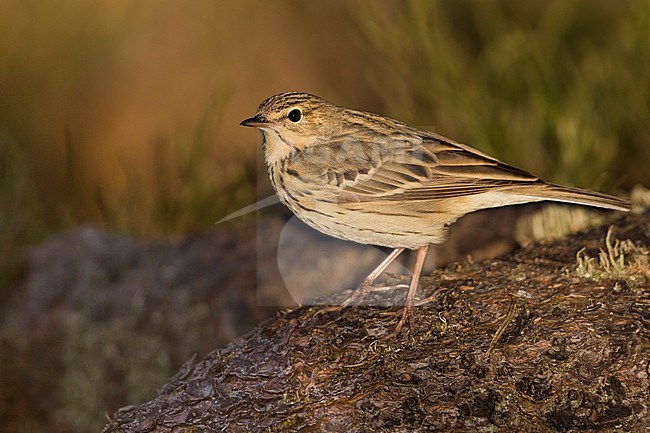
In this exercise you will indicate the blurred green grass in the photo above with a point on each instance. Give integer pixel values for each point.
(186, 193)
(561, 88)
(60, 64)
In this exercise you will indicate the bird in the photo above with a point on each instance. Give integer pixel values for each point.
(370, 179)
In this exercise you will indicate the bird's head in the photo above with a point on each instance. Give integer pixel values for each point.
(292, 121)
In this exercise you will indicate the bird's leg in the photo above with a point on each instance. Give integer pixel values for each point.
(407, 311)
(365, 286)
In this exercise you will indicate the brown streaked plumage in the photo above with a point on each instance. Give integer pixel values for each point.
(371, 179)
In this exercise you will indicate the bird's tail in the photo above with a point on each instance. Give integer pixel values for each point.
(568, 194)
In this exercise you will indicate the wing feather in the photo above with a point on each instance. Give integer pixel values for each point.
(434, 169)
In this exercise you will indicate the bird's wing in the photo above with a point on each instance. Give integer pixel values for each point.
(433, 168)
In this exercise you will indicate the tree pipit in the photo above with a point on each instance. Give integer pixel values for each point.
(371, 179)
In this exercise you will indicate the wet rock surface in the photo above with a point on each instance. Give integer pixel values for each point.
(521, 343)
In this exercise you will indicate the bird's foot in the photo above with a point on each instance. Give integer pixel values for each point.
(406, 314)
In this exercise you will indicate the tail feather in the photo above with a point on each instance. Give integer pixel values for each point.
(579, 196)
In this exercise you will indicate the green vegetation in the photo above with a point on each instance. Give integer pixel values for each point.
(185, 195)
(21, 215)
(560, 87)
(618, 260)
(69, 154)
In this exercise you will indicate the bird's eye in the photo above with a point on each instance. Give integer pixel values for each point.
(295, 115)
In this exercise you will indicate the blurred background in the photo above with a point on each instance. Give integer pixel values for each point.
(124, 115)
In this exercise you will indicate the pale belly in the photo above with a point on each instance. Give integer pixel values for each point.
(389, 224)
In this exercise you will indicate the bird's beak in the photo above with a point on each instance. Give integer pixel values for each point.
(257, 121)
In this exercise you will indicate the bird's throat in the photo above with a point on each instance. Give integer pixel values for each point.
(275, 147)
